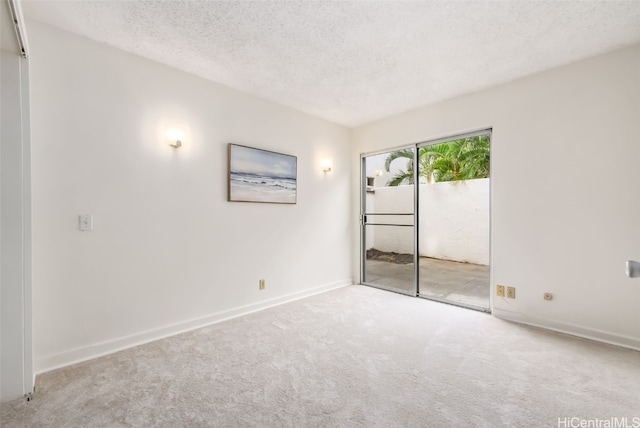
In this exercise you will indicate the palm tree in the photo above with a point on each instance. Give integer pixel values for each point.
(463, 159)
(401, 177)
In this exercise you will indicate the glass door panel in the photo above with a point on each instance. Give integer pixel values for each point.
(389, 262)
(388, 222)
(454, 238)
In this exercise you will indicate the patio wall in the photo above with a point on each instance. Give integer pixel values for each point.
(454, 220)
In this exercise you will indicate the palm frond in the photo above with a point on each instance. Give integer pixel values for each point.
(401, 177)
(456, 160)
(400, 154)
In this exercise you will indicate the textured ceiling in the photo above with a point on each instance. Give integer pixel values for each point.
(357, 61)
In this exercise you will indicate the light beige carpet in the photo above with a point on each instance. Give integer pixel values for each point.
(354, 357)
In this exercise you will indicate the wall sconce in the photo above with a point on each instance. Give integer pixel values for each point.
(378, 173)
(326, 165)
(175, 137)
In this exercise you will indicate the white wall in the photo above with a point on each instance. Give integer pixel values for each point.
(168, 252)
(453, 220)
(565, 199)
(16, 377)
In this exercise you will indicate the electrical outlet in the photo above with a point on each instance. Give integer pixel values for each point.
(86, 222)
(500, 290)
(511, 292)
(261, 285)
(548, 296)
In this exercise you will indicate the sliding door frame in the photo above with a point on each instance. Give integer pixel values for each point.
(364, 214)
(416, 213)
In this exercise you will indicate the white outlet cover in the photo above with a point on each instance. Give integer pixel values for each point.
(86, 222)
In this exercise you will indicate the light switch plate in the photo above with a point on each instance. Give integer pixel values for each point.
(86, 222)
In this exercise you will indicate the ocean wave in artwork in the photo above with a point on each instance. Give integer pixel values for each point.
(262, 188)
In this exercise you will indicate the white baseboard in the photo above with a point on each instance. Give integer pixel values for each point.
(100, 349)
(572, 329)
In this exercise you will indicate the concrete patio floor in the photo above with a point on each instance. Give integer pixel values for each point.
(455, 282)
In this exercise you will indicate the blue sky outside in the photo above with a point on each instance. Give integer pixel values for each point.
(260, 162)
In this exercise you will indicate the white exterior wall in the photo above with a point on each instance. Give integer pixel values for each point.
(564, 189)
(391, 238)
(453, 223)
(371, 232)
(168, 252)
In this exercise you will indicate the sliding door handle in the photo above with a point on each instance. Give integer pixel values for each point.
(633, 269)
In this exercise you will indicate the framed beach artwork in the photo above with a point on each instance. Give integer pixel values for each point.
(257, 175)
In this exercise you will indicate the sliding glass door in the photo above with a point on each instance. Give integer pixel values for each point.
(426, 230)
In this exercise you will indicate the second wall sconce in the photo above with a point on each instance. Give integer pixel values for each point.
(326, 165)
(175, 136)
